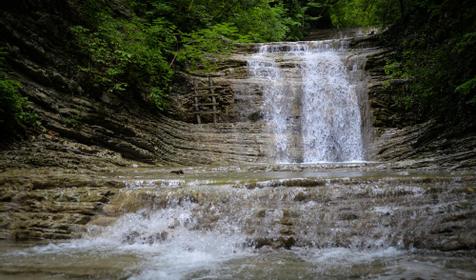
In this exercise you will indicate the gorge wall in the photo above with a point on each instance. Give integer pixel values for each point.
(78, 129)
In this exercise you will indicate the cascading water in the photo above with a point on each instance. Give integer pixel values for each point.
(328, 225)
(330, 111)
(310, 81)
(276, 102)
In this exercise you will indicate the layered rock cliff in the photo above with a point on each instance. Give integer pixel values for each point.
(78, 129)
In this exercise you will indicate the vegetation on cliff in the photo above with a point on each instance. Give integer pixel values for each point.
(141, 50)
(434, 41)
(14, 111)
(434, 63)
(135, 47)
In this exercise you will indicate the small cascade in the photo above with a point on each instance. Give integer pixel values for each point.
(246, 225)
(311, 102)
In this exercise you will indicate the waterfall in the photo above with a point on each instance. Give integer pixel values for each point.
(310, 103)
(276, 102)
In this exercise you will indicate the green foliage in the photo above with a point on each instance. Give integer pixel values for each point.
(254, 18)
(468, 89)
(435, 43)
(263, 23)
(14, 111)
(317, 13)
(350, 13)
(225, 24)
(201, 47)
(141, 53)
(74, 121)
(158, 98)
(138, 52)
(12, 102)
(127, 55)
(394, 69)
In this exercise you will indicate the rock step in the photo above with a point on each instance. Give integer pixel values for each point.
(435, 213)
(424, 211)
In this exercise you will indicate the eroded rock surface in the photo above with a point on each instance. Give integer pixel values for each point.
(356, 207)
(51, 204)
(396, 137)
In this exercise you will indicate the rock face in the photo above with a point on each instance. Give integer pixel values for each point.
(78, 129)
(99, 131)
(397, 138)
(50, 205)
(421, 212)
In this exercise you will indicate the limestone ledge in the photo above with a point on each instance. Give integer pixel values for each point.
(425, 211)
(50, 204)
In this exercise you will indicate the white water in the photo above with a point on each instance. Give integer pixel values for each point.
(276, 107)
(201, 230)
(309, 100)
(166, 241)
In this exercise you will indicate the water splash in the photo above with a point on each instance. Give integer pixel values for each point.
(168, 243)
(342, 227)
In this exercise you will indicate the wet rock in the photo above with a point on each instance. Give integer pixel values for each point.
(308, 182)
(398, 137)
(281, 242)
(286, 231)
(102, 221)
(261, 213)
(51, 205)
(261, 242)
(286, 221)
(286, 242)
(348, 216)
(158, 237)
(131, 237)
(394, 210)
(300, 196)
